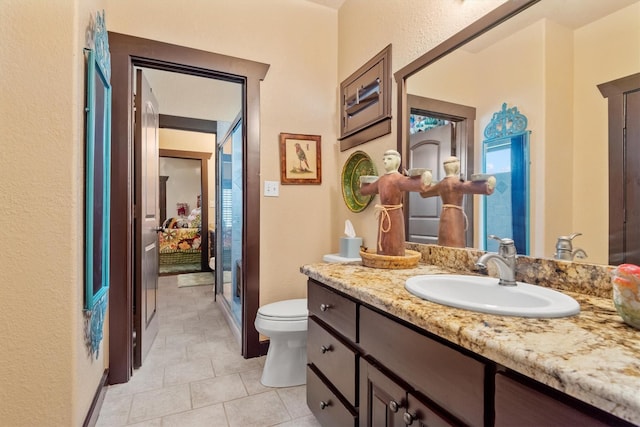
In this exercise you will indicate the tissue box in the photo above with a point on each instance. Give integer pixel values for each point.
(350, 247)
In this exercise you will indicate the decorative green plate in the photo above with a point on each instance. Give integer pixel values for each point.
(358, 163)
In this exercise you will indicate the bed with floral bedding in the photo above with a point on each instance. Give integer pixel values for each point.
(180, 244)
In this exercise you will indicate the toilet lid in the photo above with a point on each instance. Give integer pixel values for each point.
(289, 309)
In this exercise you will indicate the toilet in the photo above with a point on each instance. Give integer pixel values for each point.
(285, 323)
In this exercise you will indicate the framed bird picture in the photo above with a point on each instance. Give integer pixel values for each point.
(300, 159)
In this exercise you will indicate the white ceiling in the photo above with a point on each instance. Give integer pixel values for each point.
(195, 97)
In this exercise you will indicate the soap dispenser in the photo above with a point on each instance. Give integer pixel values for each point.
(564, 248)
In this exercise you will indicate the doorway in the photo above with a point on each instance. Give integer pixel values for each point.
(128, 52)
(185, 207)
(458, 121)
(623, 96)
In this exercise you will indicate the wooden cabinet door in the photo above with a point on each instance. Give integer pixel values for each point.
(382, 400)
(517, 403)
(452, 380)
(420, 414)
(386, 403)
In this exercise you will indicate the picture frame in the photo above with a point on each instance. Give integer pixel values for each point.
(97, 169)
(300, 159)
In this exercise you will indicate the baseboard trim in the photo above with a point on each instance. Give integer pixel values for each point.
(264, 347)
(96, 404)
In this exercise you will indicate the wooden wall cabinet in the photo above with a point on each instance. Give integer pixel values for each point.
(365, 102)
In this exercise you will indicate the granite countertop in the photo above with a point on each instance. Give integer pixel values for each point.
(592, 356)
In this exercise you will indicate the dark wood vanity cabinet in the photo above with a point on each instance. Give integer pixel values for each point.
(368, 369)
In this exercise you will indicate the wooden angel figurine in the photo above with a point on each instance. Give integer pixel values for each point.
(453, 220)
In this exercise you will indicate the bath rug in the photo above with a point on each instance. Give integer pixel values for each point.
(195, 279)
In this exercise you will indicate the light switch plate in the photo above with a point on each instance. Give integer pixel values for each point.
(271, 189)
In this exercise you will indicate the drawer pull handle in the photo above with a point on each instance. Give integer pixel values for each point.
(324, 307)
(325, 348)
(394, 406)
(324, 404)
(408, 418)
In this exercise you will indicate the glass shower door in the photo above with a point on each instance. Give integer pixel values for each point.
(229, 220)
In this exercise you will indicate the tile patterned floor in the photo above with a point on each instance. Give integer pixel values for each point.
(194, 374)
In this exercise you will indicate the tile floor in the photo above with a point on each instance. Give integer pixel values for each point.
(195, 376)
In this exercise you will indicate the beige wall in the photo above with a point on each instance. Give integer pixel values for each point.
(299, 40)
(412, 29)
(47, 376)
(600, 57)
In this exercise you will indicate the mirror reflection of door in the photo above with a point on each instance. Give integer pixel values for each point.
(428, 148)
(437, 129)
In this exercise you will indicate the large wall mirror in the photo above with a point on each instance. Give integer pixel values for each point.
(547, 57)
(97, 183)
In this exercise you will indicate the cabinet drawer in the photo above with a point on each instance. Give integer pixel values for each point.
(334, 359)
(325, 405)
(517, 403)
(452, 380)
(333, 309)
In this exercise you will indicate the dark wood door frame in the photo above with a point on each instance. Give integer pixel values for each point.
(615, 92)
(204, 197)
(126, 53)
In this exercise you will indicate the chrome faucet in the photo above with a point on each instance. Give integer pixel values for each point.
(505, 260)
(564, 248)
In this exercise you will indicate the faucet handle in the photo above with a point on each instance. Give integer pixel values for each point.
(503, 241)
(507, 246)
(570, 237)
(564, 242)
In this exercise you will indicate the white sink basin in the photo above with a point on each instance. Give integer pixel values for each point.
(483, 294)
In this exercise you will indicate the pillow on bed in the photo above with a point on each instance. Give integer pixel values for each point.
(176, 223)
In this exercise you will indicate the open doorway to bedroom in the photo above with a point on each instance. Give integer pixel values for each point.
(129, 189)
(187, 239)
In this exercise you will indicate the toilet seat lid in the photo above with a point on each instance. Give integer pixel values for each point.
(288, 309)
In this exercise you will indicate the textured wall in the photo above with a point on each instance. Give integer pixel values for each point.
(365, 28)
(46, 376)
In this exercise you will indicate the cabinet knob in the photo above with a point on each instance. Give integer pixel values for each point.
(324, 404)
(324, 307)
(408, 418)
(325, 348)
(394, 406)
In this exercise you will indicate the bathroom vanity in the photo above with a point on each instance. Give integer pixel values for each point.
(377, 356)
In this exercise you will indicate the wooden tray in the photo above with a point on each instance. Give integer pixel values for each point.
(372, 259)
